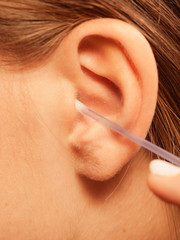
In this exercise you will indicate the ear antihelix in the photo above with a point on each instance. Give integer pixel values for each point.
(106, 72)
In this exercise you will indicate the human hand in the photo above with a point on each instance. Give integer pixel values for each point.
(164, 181)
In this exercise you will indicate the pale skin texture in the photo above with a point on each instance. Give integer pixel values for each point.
(43, 194)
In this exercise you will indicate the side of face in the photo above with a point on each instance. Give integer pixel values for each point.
(63, 176)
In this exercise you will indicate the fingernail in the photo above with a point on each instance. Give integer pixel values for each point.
(163, 168)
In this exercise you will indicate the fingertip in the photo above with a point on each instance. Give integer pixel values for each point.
(165, 187)
(153, 182)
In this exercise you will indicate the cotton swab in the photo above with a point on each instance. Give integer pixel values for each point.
(83, 109)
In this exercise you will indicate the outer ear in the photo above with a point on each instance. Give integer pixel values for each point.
(115, 73)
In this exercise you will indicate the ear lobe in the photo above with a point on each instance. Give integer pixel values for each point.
(117, 77)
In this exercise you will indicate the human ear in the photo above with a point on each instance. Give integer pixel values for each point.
(114, 72)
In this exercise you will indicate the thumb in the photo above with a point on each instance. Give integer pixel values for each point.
(164, 181)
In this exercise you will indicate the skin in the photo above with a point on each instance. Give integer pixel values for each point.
(43, 195)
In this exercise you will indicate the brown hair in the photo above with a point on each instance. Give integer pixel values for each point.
(31, 30)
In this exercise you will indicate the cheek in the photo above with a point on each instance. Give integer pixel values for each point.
(34, 167)
(38, 196)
